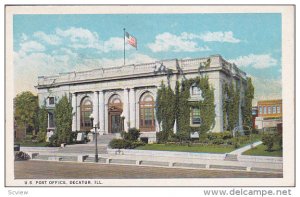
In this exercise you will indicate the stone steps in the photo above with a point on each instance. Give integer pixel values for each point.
(104, 139)
(83, 149)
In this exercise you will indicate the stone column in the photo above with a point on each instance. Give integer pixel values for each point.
(74, 112)
(132, 107)
(218, 104)
(101, 111)
(126, 110)
(95, 108)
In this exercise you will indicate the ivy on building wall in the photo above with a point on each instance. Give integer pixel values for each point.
(43, 123)
(247, 110)
(183, 108)
(171, 106)
(231, 103)
(165, 109)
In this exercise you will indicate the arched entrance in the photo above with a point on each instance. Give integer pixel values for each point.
(115, 109)
(86, 109)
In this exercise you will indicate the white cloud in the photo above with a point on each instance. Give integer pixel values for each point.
(218, 37)
(79, 37)
(170, 42)
(266, 88)
(256, 61)
(30, 46)
(28, 66)
(114, 44)
(51, 39)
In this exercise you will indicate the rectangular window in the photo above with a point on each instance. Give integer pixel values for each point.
(269, 110)
(260, 110)
(278, 110)
(146, 118)
(265, 110)
(196, 116)
(51, 100)
(274, 110)
(51, 120)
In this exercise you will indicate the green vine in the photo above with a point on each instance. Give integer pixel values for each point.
(247, 110)
(165, 106)
(176, 106)
(231, 103)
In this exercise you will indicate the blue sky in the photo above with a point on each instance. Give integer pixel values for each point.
(50, 44)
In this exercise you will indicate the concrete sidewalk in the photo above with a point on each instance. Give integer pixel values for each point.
(245, 148)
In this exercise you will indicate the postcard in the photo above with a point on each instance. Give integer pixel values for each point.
(157, 95)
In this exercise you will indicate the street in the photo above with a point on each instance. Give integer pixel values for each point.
(71, 170)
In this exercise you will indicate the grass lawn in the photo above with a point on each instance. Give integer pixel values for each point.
(261, 151)
(185, 148)
(32, 144)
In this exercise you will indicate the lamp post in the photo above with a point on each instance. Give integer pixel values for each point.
(96, 145)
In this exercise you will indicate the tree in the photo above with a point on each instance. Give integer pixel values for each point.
(26, 111)
(231, 103)
(247, 111)
(268, 141)
(165, 109)
(43, 123)
(63, 120)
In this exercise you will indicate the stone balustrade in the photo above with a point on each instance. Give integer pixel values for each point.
(145, 68)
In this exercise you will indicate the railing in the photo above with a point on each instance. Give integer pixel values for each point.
(97, 73)
(192, 62)
(119, 71)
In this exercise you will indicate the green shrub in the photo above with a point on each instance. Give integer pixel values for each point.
(247, 132)
(226, 135)
(132, 135)
(136, 144)
(268, 140)
(161, 137)
(119, 144)
(21, 156)
(211, 136)
(255, 131)
(236, 144)
(41, 136)
(53, 141)
(218, 141)
(222, 135)
(230, 142)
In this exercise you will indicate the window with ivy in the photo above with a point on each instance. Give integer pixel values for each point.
(196, 90)
(51, 101)
(195, 116)
(51, 123)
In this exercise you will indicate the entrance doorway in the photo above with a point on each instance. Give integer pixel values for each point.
(116, 125)
(115, 121)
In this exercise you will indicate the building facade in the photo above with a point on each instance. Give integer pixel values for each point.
(124, 97)
(269, 113)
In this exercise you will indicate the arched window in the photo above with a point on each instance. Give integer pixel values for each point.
(86, 109)
(147, 121)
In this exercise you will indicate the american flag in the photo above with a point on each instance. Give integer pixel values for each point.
(131, 40)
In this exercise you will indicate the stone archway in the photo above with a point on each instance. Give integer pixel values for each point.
(115, 109)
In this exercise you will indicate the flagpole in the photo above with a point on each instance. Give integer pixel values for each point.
(124, 46)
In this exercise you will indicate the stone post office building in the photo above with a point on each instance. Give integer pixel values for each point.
(123, 97)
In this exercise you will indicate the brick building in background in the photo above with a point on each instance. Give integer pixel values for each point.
(269, 114)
